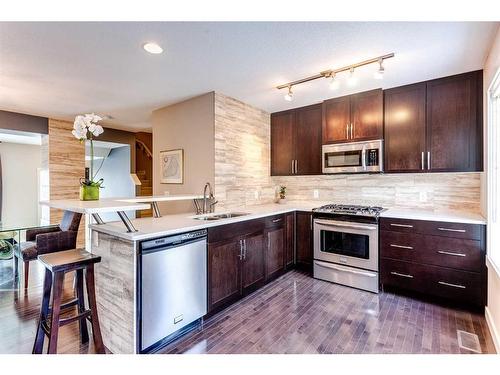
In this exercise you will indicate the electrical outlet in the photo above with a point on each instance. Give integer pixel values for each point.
(256, 194)
(316, 193)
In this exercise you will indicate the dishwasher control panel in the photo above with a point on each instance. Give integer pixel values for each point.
(173, 240)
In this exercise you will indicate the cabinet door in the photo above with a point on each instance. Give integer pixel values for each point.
(253, 271)
(223, 272)
(290, 239)
(367, 115)
(303, 222)
(454, 123)
(275, 252)
(282, 143)
(336, 120)
(308, 140)
(404, 132)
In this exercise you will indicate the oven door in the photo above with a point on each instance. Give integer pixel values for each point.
(347, 243)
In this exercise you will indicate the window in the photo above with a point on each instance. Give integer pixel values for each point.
(494, 171)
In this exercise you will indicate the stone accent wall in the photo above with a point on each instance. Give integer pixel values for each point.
(242, 154)
(115, 291)
(242, 172)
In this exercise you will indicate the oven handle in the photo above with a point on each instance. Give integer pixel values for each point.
(344, 269)
(341, 225)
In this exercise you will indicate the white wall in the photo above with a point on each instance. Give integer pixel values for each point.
(493, 309)
(20, 182)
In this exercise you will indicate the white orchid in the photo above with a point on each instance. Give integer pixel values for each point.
(86, 127)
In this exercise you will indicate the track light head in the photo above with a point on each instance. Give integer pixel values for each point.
(334, 83)
(379, 74)
(352, 80)
(289, 95)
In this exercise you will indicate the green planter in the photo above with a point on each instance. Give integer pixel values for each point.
(89, 193)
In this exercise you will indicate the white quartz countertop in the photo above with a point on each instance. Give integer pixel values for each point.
(95, 207)
(447, 216)
(173, 224)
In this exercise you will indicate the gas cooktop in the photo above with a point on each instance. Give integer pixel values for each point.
(348, 209)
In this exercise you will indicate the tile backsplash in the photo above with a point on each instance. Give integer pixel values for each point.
(242, 173)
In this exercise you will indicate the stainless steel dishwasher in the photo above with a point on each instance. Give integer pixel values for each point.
(173, 287)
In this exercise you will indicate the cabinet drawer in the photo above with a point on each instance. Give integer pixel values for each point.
(228, 231)
(274, 221)
(436, 250)
(403, 275)
(436, 228)
(443, 282)
(401, 225)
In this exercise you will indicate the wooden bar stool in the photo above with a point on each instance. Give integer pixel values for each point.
(56, 265)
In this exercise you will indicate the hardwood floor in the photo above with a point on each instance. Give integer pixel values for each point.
(299, 314)
(294, 314)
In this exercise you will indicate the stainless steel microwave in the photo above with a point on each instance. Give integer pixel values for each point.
(355, 157)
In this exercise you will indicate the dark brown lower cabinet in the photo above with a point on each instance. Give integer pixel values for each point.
(440, 259)
(275, 252)
(224, 276)
(244, 256)
(253, 262)
(303, 240)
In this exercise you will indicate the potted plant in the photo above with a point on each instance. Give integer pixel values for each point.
(86, 128)
(282, 194)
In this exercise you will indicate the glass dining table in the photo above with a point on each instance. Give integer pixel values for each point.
(11, 234)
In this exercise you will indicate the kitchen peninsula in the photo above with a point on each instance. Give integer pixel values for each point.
(280, 234)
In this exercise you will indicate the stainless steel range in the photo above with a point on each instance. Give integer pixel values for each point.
(346, 245)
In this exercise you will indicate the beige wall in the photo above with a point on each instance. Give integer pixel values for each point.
(188, 125)
(493, 309)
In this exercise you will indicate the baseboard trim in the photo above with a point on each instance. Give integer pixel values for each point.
(493, 329)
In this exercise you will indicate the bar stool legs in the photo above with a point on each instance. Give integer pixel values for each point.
(44, 312)
(96, 329)
(54, 282)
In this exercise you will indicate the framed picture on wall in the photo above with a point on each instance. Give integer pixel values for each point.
(172, 166)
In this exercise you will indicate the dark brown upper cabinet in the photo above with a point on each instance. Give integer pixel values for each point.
(355, 117)
(454, 123)
(435, 126)
(404, 121)
(296, 141)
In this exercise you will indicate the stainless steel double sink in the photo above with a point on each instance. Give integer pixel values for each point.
(227, 215)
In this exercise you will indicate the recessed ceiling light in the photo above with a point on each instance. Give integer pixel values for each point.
(152, 47)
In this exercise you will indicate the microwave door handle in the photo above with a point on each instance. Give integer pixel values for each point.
(341, 225)
(363, 158)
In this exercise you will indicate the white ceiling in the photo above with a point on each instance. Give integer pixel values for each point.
(63, 69)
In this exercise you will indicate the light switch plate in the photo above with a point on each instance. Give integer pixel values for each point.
(316, 193)
(423, 196)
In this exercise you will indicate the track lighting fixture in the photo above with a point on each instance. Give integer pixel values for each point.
(332, 74)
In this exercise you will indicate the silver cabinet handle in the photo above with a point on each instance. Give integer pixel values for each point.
(428, 160)
(241, 250)
(451, 230)
(402, 275)
(244, 249)
(347, 131)
(450, 253)
(402, 247)
(296, 166)
(402, 225)
(351, 133)
(292, 165)
(423, 161)
(277, 220)
(345, 269)
(341, 225)
(452, 285)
